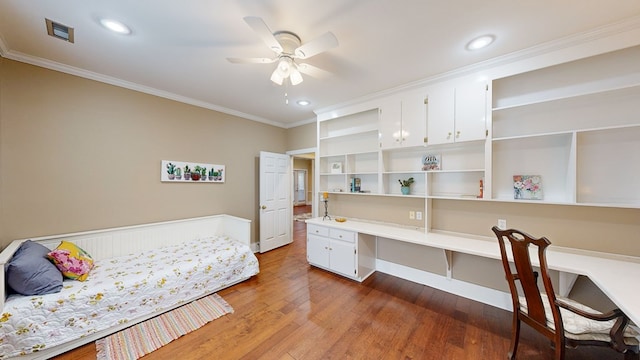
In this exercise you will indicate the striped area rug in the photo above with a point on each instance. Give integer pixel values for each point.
(138, 340)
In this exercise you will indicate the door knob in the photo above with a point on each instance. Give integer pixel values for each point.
(263, 207)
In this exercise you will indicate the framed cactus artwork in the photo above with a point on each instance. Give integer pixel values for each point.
(181, 171)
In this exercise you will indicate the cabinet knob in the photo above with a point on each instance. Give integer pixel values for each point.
(448, 135)
(457, 134)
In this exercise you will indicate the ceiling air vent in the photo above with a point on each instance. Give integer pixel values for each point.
(59, 31)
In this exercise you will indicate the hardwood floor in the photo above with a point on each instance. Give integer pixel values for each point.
(294, 311)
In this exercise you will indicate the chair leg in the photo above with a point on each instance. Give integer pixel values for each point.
(630, 355)
(515, 337)
(559, 347)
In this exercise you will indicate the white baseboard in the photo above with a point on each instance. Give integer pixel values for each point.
(467, 290)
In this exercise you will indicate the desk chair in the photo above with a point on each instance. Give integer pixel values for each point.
(577, 323)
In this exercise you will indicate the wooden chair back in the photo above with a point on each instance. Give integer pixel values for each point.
(520, 247)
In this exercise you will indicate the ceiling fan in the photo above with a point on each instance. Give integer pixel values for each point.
(288, 48)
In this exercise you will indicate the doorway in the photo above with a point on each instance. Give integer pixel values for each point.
(299, 187)
(302, 185)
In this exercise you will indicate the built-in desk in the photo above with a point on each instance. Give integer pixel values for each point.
(615, 275)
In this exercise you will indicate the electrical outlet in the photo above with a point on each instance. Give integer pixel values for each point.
(418, 215)
(502, 224)
(412, 215)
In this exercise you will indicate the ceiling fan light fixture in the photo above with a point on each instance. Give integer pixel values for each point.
(284, 66)
(296, 77)
(276, 77)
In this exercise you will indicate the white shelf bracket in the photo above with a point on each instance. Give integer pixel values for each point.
(448, 258)
(566, 281)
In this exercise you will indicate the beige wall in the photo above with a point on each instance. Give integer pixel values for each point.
(613, 230)
(77, 154)
(302, 137)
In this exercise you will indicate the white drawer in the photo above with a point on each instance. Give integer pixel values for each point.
(344, 235)
(317, 230)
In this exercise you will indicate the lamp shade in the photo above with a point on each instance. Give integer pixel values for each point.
(286, 69)
(296, 77)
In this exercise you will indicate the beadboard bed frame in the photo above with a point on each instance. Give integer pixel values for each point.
(120, 241)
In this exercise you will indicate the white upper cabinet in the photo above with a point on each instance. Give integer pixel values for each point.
(441, 115)
(457, 113)
(404, 122)
(471, 111)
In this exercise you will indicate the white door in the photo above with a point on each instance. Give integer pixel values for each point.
(275, 201)
(299, 186)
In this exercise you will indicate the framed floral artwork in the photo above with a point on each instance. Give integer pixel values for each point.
(527, 187)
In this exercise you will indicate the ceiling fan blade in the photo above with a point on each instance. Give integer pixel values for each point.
(314, 71)
(261, 28)
(316, 46)
(251, 60)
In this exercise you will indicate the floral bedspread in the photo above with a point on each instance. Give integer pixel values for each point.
(121, 289)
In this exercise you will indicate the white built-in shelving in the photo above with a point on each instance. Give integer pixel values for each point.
(576, 124)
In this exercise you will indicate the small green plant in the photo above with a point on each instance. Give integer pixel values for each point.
(197, 169)
(171, 169)
(407, 182)
(187, 169)
(211, 172)
(203, 171)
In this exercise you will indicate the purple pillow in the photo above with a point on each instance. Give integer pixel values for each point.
(29, 272)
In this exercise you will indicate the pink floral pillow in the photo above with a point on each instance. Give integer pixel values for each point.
(73, 262)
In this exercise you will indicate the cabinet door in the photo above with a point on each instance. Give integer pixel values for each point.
(343, 257)
(440, 115)
(391, 125)
(470, 111)
(414, 120)
(318, 250)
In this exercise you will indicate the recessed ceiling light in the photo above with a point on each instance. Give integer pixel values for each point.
(115, 26)
(303, 102)
(480, 42)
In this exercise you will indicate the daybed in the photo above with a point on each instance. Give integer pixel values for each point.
(139, 272)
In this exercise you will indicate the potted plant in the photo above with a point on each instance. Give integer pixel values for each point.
(405, 185)
(171, 171)
(178, 173)
(211, 174)
(203, 173)
(187, 172)
(195, 175)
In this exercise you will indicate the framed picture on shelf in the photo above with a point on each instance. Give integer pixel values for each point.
(336, 168)
(431, 162)
(527, 187)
